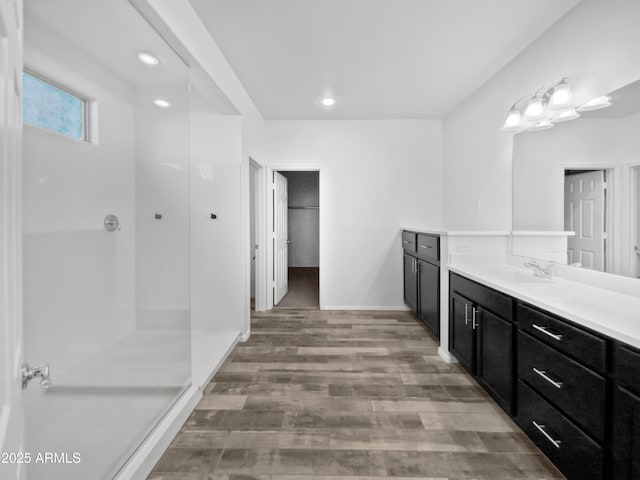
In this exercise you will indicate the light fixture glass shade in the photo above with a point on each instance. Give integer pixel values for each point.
(566, 116)
(595, 104)
(328, 101)
(541, 125)
(513, 120)
(148, 59)
(162, 103)
(561, 96)
(535, 109)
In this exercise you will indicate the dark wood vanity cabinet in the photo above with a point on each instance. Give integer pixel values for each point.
(575, 392)
(422, 277)
(481, 336)
(626, 414)
(410, 282)
(562, 392)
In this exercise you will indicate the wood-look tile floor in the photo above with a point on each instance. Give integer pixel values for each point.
(319, 395)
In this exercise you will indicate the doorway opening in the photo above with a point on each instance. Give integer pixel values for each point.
(296, 242)
(587, 213)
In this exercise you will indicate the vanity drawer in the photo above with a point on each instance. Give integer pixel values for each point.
(572, 388)
(482, 296)
(628, 368)
(575, 342)
(409, 241)
(571, 450)
(428, 246)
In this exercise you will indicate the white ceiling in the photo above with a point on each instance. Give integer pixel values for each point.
(110, 34)
(379, 58)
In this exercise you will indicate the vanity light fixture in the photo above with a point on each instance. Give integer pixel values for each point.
(162, 103)
(552, 103)
(148, 59)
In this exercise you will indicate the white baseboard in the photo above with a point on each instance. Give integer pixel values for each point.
(245, 336)
(402, 308)
(142, 462)
(446, 355)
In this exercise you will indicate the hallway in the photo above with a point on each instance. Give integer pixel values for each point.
(339, 395)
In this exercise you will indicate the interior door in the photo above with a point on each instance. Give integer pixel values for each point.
(11, 409)
(584, 214)
(281, 243)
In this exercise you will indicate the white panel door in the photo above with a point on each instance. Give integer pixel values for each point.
(584, 208)
(11, 410)
(281, 233)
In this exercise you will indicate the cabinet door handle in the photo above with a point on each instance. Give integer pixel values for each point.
(544, 375)
(466, 314)
(404, 242)
(426, 246)
(547, 332)
(475, 323)
(542, 429)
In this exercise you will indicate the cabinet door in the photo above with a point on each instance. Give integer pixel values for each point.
(410, 283)
(429, 299)
(626, 436)
(495, 356)
(461, 332)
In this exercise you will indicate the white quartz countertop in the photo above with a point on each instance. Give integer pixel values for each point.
(611, 313)
(459, 233)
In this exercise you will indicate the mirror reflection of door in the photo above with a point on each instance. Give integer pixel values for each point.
(584, 214)
(635, 215)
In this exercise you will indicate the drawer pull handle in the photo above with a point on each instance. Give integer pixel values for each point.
(541, 428)
(547, 332)
(544, 375)
(426, 246)
(405, 241)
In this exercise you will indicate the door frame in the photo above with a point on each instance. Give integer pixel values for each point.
(261, 233)
(267, 278)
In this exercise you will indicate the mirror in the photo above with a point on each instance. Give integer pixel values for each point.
(583, 177)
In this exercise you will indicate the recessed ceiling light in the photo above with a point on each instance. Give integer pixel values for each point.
(328, 101)
(162, 103)
(148, 59)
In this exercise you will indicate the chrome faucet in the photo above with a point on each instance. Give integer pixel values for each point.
(29, 374)
(538, 270)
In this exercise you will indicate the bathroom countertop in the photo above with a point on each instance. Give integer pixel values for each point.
(611, 313)
(459, 233)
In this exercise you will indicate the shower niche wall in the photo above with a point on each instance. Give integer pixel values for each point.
(106, 300)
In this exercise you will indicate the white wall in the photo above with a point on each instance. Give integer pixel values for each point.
(376, 176)
(217, 252)
(596, 39)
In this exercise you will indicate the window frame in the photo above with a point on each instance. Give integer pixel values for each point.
(85, 101)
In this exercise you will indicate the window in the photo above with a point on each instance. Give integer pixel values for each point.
(48, 106)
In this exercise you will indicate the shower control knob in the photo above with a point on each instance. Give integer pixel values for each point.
(111, 223)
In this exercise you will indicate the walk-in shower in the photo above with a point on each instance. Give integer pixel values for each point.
(106, 233)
